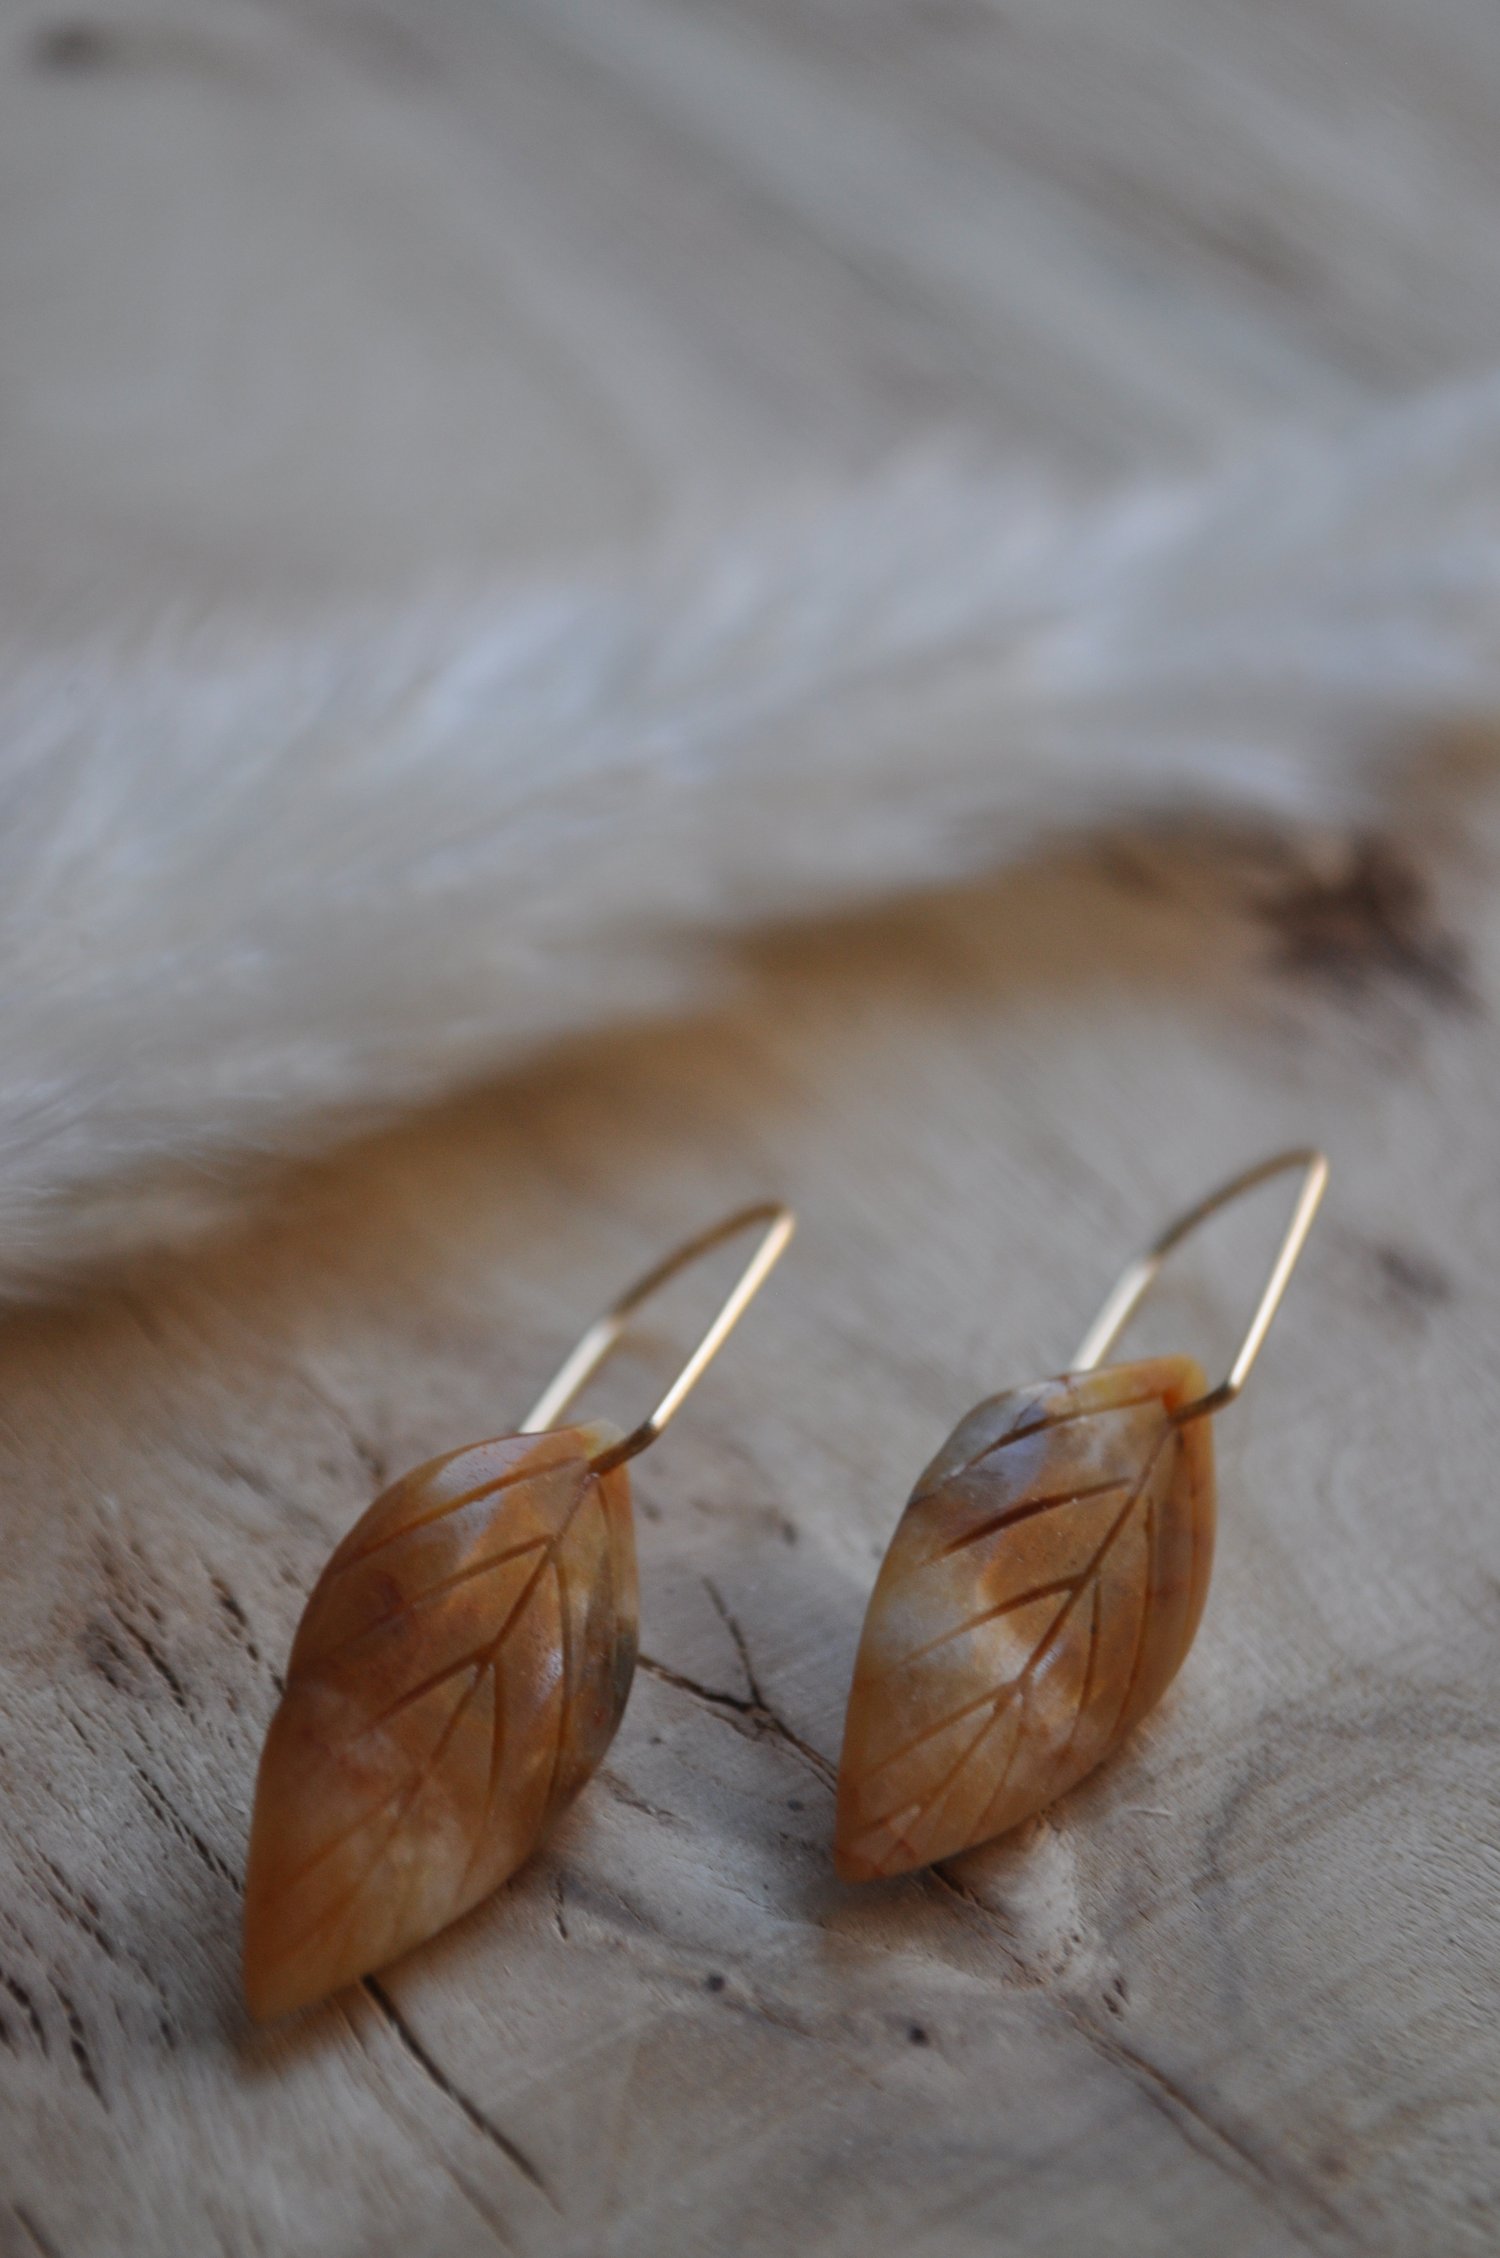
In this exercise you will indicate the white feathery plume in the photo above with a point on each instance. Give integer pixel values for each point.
(254, 896)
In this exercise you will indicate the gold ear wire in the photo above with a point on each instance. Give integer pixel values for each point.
(604, 1334)
(1136, 1279)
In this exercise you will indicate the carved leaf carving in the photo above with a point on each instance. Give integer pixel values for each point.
(459, 1672)
(1039, 1595)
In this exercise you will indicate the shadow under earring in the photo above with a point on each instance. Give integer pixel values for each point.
(1044, 1583)
(458, 1673)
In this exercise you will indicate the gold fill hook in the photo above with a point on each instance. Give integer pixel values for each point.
(1135, 1281)
(603, 1336)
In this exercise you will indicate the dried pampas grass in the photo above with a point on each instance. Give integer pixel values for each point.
(255, 897)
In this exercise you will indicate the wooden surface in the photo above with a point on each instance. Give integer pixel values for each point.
(313, 301)
(1237, 1991)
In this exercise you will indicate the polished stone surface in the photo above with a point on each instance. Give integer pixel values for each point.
(459, 1672)
(1039, 1595)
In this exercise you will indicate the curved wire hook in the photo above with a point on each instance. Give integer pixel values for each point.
(1136, 1279)
(604, 1334)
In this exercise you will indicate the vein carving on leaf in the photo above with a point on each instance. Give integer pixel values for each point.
(459, 1672)
(1039, 1595)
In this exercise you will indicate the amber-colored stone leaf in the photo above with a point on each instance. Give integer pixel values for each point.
(459, 1672)
(1038, 1597)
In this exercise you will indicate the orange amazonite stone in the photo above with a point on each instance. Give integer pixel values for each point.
(1038, 1597)
(459, 1672)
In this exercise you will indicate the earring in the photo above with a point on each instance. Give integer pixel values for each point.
(458, 1673)
(1044, 1583)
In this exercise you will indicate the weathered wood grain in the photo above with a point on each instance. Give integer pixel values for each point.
(1237, 1987)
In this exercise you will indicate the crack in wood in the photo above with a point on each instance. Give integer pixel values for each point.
(482, 2123)
(758, 1720)
(232, 1606)
(155, 1657)
(624, 1793)
(42, 2243)
(166, 1810)
(23, 1999)
(1204, 2131)
(78, 2045)
(1208, 2133)
(77, 1906)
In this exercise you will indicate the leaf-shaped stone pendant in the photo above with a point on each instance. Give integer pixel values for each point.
(460, 1671)
(1038, 1597)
